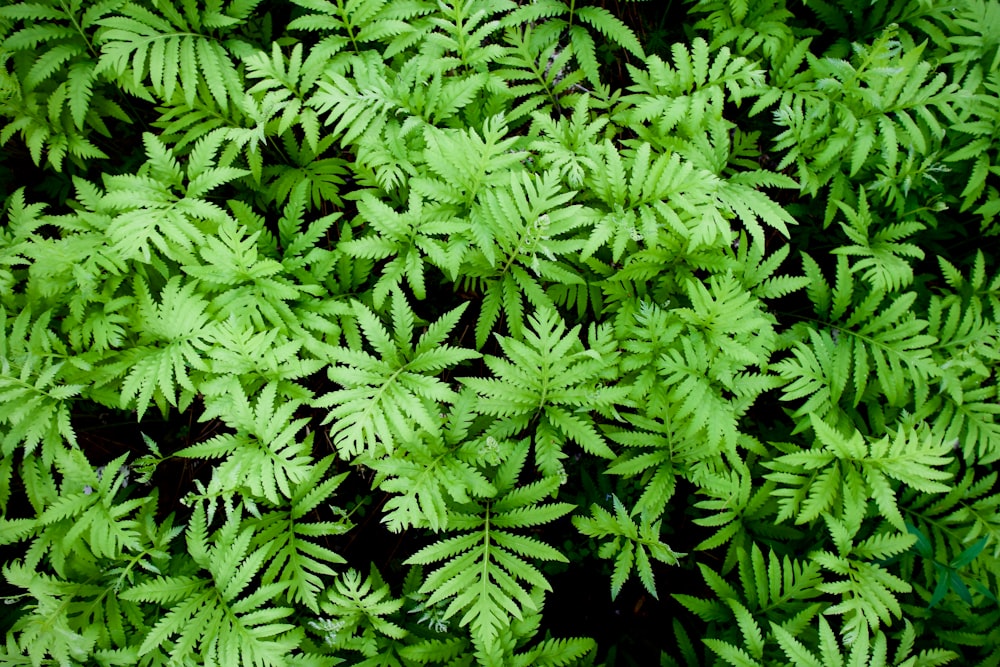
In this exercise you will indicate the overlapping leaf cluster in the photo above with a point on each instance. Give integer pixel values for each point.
(438, 255)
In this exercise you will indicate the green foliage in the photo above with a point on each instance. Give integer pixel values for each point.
(389, 398)
(56, 95)
(482, 567)
(632, 544)
(294, 296)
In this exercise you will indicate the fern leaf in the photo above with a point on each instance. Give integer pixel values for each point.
(549, 373)
(611, 27)
(632, 544)
(382, 398)
(174, 337)
(481, 568)
(354, 109)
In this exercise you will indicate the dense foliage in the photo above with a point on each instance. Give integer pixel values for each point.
(355, 331)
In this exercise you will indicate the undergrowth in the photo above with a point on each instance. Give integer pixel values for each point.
(483, 332)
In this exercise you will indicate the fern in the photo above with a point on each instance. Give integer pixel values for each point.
(411, 240)
(651, 200)
(355, 108)
(632, 544)
(468, 30)
(173, 50)
(836, 366)
(884, 260)
(44, 629)
(386, 398)
(771, 585)
(356, 24)
(883, 100)
(447, 265)
(945, 526)
(536, 68)
(432, 475)
(515, 230)
(868, 591)
(757, 271)
(35, 396)
(56, 95)
(355, 608)
(263, 459)
(864, 649)
(844, 466)
(742, 513)
(516, 645)
(157, 212)
(465, 163)
(431, 93)
(548, 375)
(482, 567)
(562, 142)
(319, 178)
(173, 341)
(85, 521)
(961, 411)
(237, 351)
(287, 85)
(93, 620)
(211, 613)
(701, 385)
(762, 26)
(560, 16)
(685, 95)
(239, 280)
(768, 587)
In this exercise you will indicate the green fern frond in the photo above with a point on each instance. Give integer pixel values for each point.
(285, 85)
(264, 459)
(83, 602)
(358, 24)
(557, 16)
(355, 609)
(172, 52)
(872, 108)
(515, 230)
(561, 142)
(354, 107)
(467, 29)
(89, 516)
(750, 26)
(217, 618)
(55, 95)
(884, 262)
(482, 569)
(35, 397)
(537, 70)
(173, 340)
(46, 627)
(688, 94)
(757, 272)
(869, 593)
(631, 545)
(162, 210)
(385, 398)
(303, 563)
(874, 340)
(771, 587)
(409, 240)
(548, 374)
(861, 648)
(427, 477)
(611, 27)
(813, 479)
